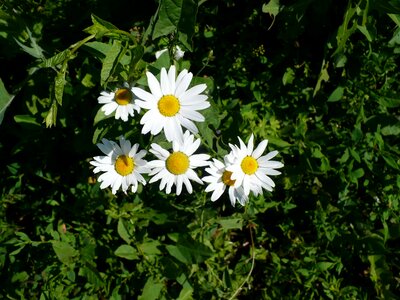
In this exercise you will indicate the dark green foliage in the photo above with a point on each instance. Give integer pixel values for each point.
(318, 79)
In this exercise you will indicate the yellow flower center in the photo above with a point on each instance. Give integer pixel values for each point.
(124, 165)
(177, 163)
(123, 96)
(249, 165)
(168, 105)
(226, 178)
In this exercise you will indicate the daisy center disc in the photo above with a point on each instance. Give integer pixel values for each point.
(177, 163)
(124, 165)
(123, 96)
(249, 165)
(226, 178)
(168, 105)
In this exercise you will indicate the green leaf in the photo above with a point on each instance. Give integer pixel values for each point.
(150, 248)
(288, 77)
(356, 174)
(56, 59)
(51, 116)
(65, 252)
(123, 233)
(323, 76)
(324, 266)
(151, 290)
(59, 83)
(127, 252)
(391, 130)
(109, 61)
(189, 251)
(272, 8)
(363, 29)
(100, 27)
(5, 100)
(176, 15)
(20, 276)
(231, 223)
(186, 293)
(336, 95)
(390, 160)
(34, 50)
(26, 119)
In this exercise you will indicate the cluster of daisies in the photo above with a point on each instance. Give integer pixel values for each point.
(172, 107)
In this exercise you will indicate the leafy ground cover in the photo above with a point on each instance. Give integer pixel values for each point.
(318, 79)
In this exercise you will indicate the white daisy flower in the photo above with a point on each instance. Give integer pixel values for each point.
(220, 179)
(250, 169)
(122, 165)
(178, 166)
(121, 101)
(171, 104)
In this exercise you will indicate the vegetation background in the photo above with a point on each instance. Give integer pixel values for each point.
(318, 79)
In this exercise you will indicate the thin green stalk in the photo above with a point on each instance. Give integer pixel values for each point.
(253, 258)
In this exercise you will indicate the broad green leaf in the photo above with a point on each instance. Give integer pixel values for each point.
(101, 116)
(20, 276)
(109, 62)
(288, 77)
(5, 100)
(391, 130)
(56, 59)
(231, 223)
(127, 252)
(336, 95)
(324, 265)
(150, 248)
(97, 49)
(123, 232)
(356, 174)
(186, 293)
(151, 290)
(23, 236)
(189, 251)
(272, 8)
(65, 252)
(176, 15)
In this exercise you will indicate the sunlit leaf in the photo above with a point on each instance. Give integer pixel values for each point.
(151, 290)
(109, 61)
(177, 15)
(127, 252)
(65, 252)
(5, 100)
(336, 95)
